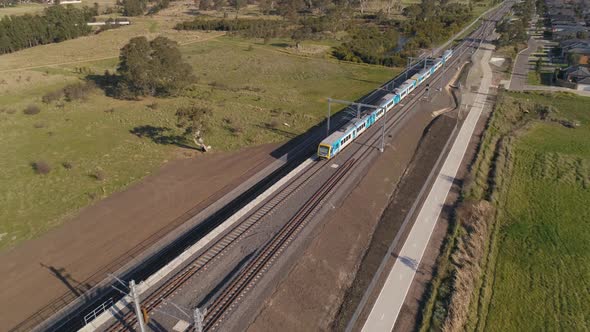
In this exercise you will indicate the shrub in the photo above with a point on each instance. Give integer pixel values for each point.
(41, 167)
(39, 125)
(98, 175)
(67, 165)
(78, 90)
(53, 96)
(32, 110)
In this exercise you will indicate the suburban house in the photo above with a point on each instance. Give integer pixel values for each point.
(579, 47)
(575, 77)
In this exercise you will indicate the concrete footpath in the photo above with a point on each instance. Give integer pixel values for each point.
(386, 309)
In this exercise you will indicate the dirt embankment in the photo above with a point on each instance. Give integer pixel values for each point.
(69, 260)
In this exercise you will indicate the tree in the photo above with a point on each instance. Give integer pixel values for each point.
(205, 4)
(134, 67)
(538, 65)
(300, 35)
(133, 7)
(218, 4)
(193, 120)
(267, 6)
(58, 23)
(152, 68)
(169, 73)
(238, 4)
(289, 9)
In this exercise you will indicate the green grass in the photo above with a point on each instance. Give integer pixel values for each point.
(541, 278)
(534, 264)
(542, 78)
(247, 88)
(533, 78)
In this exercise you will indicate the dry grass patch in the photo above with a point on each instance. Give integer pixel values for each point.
(105, 45)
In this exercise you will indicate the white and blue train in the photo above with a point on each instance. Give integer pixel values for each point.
(338, 140)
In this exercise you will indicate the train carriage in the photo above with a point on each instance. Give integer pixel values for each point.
(447, 55)
(336, 141)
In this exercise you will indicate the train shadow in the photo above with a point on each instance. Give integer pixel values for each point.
(214, 293)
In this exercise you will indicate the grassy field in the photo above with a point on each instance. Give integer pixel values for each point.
(258, 94)
(527, 263)
(542, 275)
(105, 45)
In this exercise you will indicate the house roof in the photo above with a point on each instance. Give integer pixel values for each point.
(574, 42)
(579, 50)
(579, 72)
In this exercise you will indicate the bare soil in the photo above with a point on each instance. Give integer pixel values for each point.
(310, 296)
(102, 237)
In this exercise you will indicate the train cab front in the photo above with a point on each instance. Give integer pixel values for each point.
(324, 151)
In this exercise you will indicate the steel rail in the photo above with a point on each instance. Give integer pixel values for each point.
(181, 277)
(249, 275)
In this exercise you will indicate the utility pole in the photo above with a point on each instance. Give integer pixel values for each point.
(442, 75)
(345, 102)
(358, 111)
(409, 64)
(329, 114)
(383, 130)
(137, 304)
(199, 317)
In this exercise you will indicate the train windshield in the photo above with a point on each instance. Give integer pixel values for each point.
(324, 151)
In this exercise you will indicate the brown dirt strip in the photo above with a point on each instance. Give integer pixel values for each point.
(39, 271)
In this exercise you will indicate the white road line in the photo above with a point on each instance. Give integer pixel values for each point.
(399, 280)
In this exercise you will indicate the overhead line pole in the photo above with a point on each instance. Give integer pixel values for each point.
(137, 305)
(359, 105)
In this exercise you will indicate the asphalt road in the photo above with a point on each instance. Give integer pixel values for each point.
(520, 70)
(386, 309)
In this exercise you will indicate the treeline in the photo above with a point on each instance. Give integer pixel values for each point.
(306, 27)
(431, 22)
(229, 25)
(427, 24)
(56, 24)
(372, 38)
(370, 45)
(513, 32)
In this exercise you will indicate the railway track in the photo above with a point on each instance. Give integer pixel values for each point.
(236, 289)
(246, 280)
